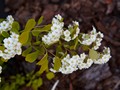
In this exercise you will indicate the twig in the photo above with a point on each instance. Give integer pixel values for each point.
(55, 85)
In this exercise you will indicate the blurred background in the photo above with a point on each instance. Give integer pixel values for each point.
(103, 14)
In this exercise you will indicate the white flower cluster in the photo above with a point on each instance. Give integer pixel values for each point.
(70, 65)
(12, 46)
(91, 38)
(0, 72)
(88, 39)
(6, 25)
(83, 61)
(104, 58)
(67, 33)
(56, 31)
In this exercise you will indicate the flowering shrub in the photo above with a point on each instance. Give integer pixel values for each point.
(55, 42)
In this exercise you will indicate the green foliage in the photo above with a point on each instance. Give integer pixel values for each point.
(15, 27)
(30, 25)
(1, 20)
(13, 84)
(27, 51)
(59, 51)
(5, 34)
(24, 37)
(50, 75)
(37, 31)
(57, 63)
(1, 38)
(2, 48)
(32, 56)
(40, 20)
(44, 64)
(85, 47)
(37, 83)
(93, 54)
(42, 61)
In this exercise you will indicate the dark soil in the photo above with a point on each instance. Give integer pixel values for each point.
(103, 14)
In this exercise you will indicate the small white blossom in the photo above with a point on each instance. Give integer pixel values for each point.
(56, 31)
(84, 64)
(67, 33)
(12, 46)
(104, 58)
(6, 25)
(92, 38)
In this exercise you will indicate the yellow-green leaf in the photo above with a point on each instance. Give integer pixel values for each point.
(30, 25)
(57, 63)
(15, 27)
(2, 48)
(5, 34)
(47, 27)
(40, 20)
(43, 60)
(37, 83)
(85, 47)
(93, 54)
(50, 75)
(76, 42)
(24, 37)
(27, 51)
(44, 67)
(32, 56)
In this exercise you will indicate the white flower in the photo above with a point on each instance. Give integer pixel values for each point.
(56, 31)
(58, 17)
(1, 53)
(66, 33)
(75, 23)
(10, 19)
(83, 63)
(104, 58)
(12, 46)
(6, 25)
(76, 34)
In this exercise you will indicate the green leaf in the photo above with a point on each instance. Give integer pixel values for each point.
(5, 34)
(36, 32)
(40, 20)
(15, 27)
(37, 83)
(2, 48)
(27, 51)
(47, 27)
(85, 47)
(37, 43)
(1, 38)
(1, 20)
(32, 56)
(57, 63)
(42, 51)
(59, 51)
(50, 75)
(44, 67)
(93, 54)
(24, 37)
(76, 43)
(43, 60)
(30, 25)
